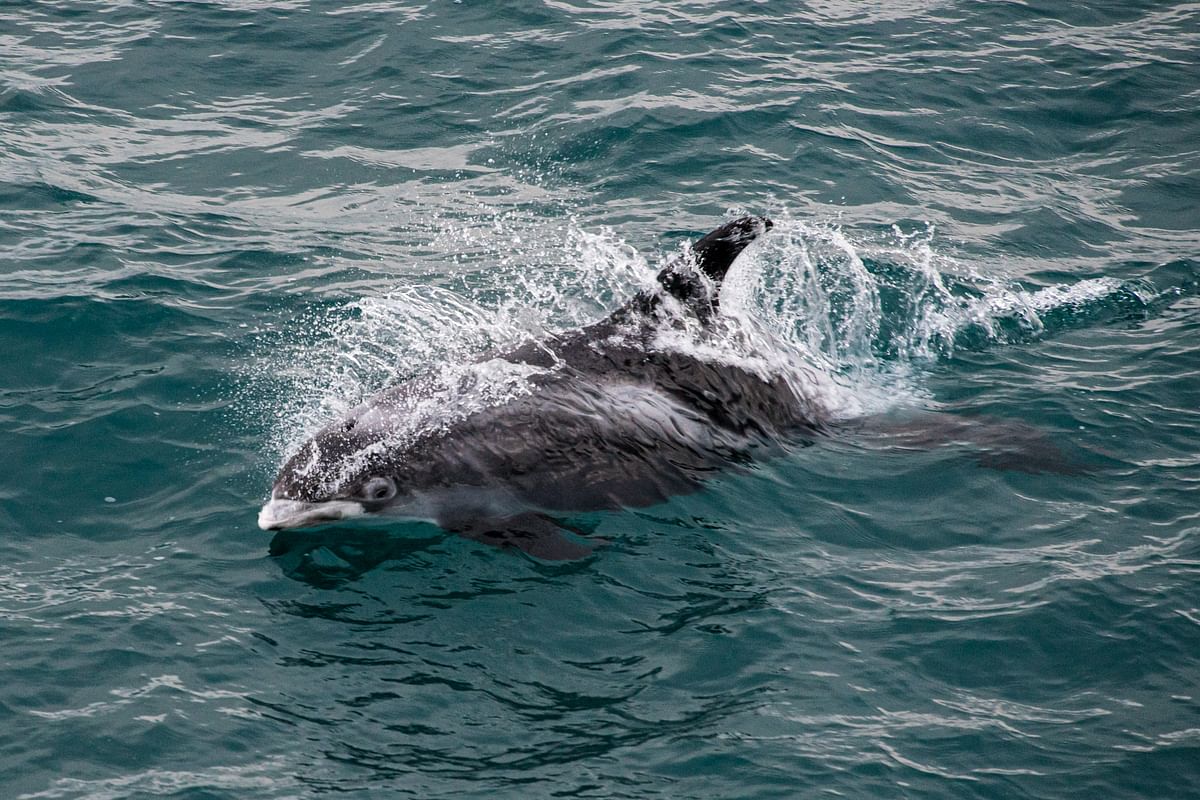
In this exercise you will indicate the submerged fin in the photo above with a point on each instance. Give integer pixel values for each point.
(712, 254)
(535, 534)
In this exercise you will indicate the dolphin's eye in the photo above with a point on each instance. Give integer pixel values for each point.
(379, 489)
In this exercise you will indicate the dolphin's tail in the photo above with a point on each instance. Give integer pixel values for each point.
(1002, 444)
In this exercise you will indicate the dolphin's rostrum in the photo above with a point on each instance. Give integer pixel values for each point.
(599, 418)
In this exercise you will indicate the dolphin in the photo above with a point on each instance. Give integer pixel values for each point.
(602, 417)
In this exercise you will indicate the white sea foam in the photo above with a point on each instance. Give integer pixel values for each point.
(262, 777)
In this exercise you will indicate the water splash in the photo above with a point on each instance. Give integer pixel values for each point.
(868, 311)
(848, 317)
(504, 279)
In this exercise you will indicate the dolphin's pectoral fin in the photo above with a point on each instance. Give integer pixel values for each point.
(535, 534)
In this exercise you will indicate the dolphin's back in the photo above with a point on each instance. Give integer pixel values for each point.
(610, 424)
(610, 419)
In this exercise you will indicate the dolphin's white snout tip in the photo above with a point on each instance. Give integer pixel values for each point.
(277, 514)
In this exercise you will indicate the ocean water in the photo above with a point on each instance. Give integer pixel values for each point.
(221, 223)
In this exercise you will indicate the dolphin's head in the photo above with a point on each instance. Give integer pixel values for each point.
(344, 471)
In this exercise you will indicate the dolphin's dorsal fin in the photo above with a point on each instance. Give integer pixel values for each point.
(694, 279)
(712, 254)
(716, 251)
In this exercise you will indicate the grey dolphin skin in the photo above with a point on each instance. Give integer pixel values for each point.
(609, 420)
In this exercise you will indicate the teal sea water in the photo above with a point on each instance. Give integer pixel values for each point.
(223, 222)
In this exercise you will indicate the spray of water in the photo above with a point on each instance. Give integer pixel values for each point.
(848, 317)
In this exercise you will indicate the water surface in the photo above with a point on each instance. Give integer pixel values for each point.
(222, 222)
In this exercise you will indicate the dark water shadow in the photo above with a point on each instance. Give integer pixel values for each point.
(331, 556)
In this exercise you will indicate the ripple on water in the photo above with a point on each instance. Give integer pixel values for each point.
(220, 224)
